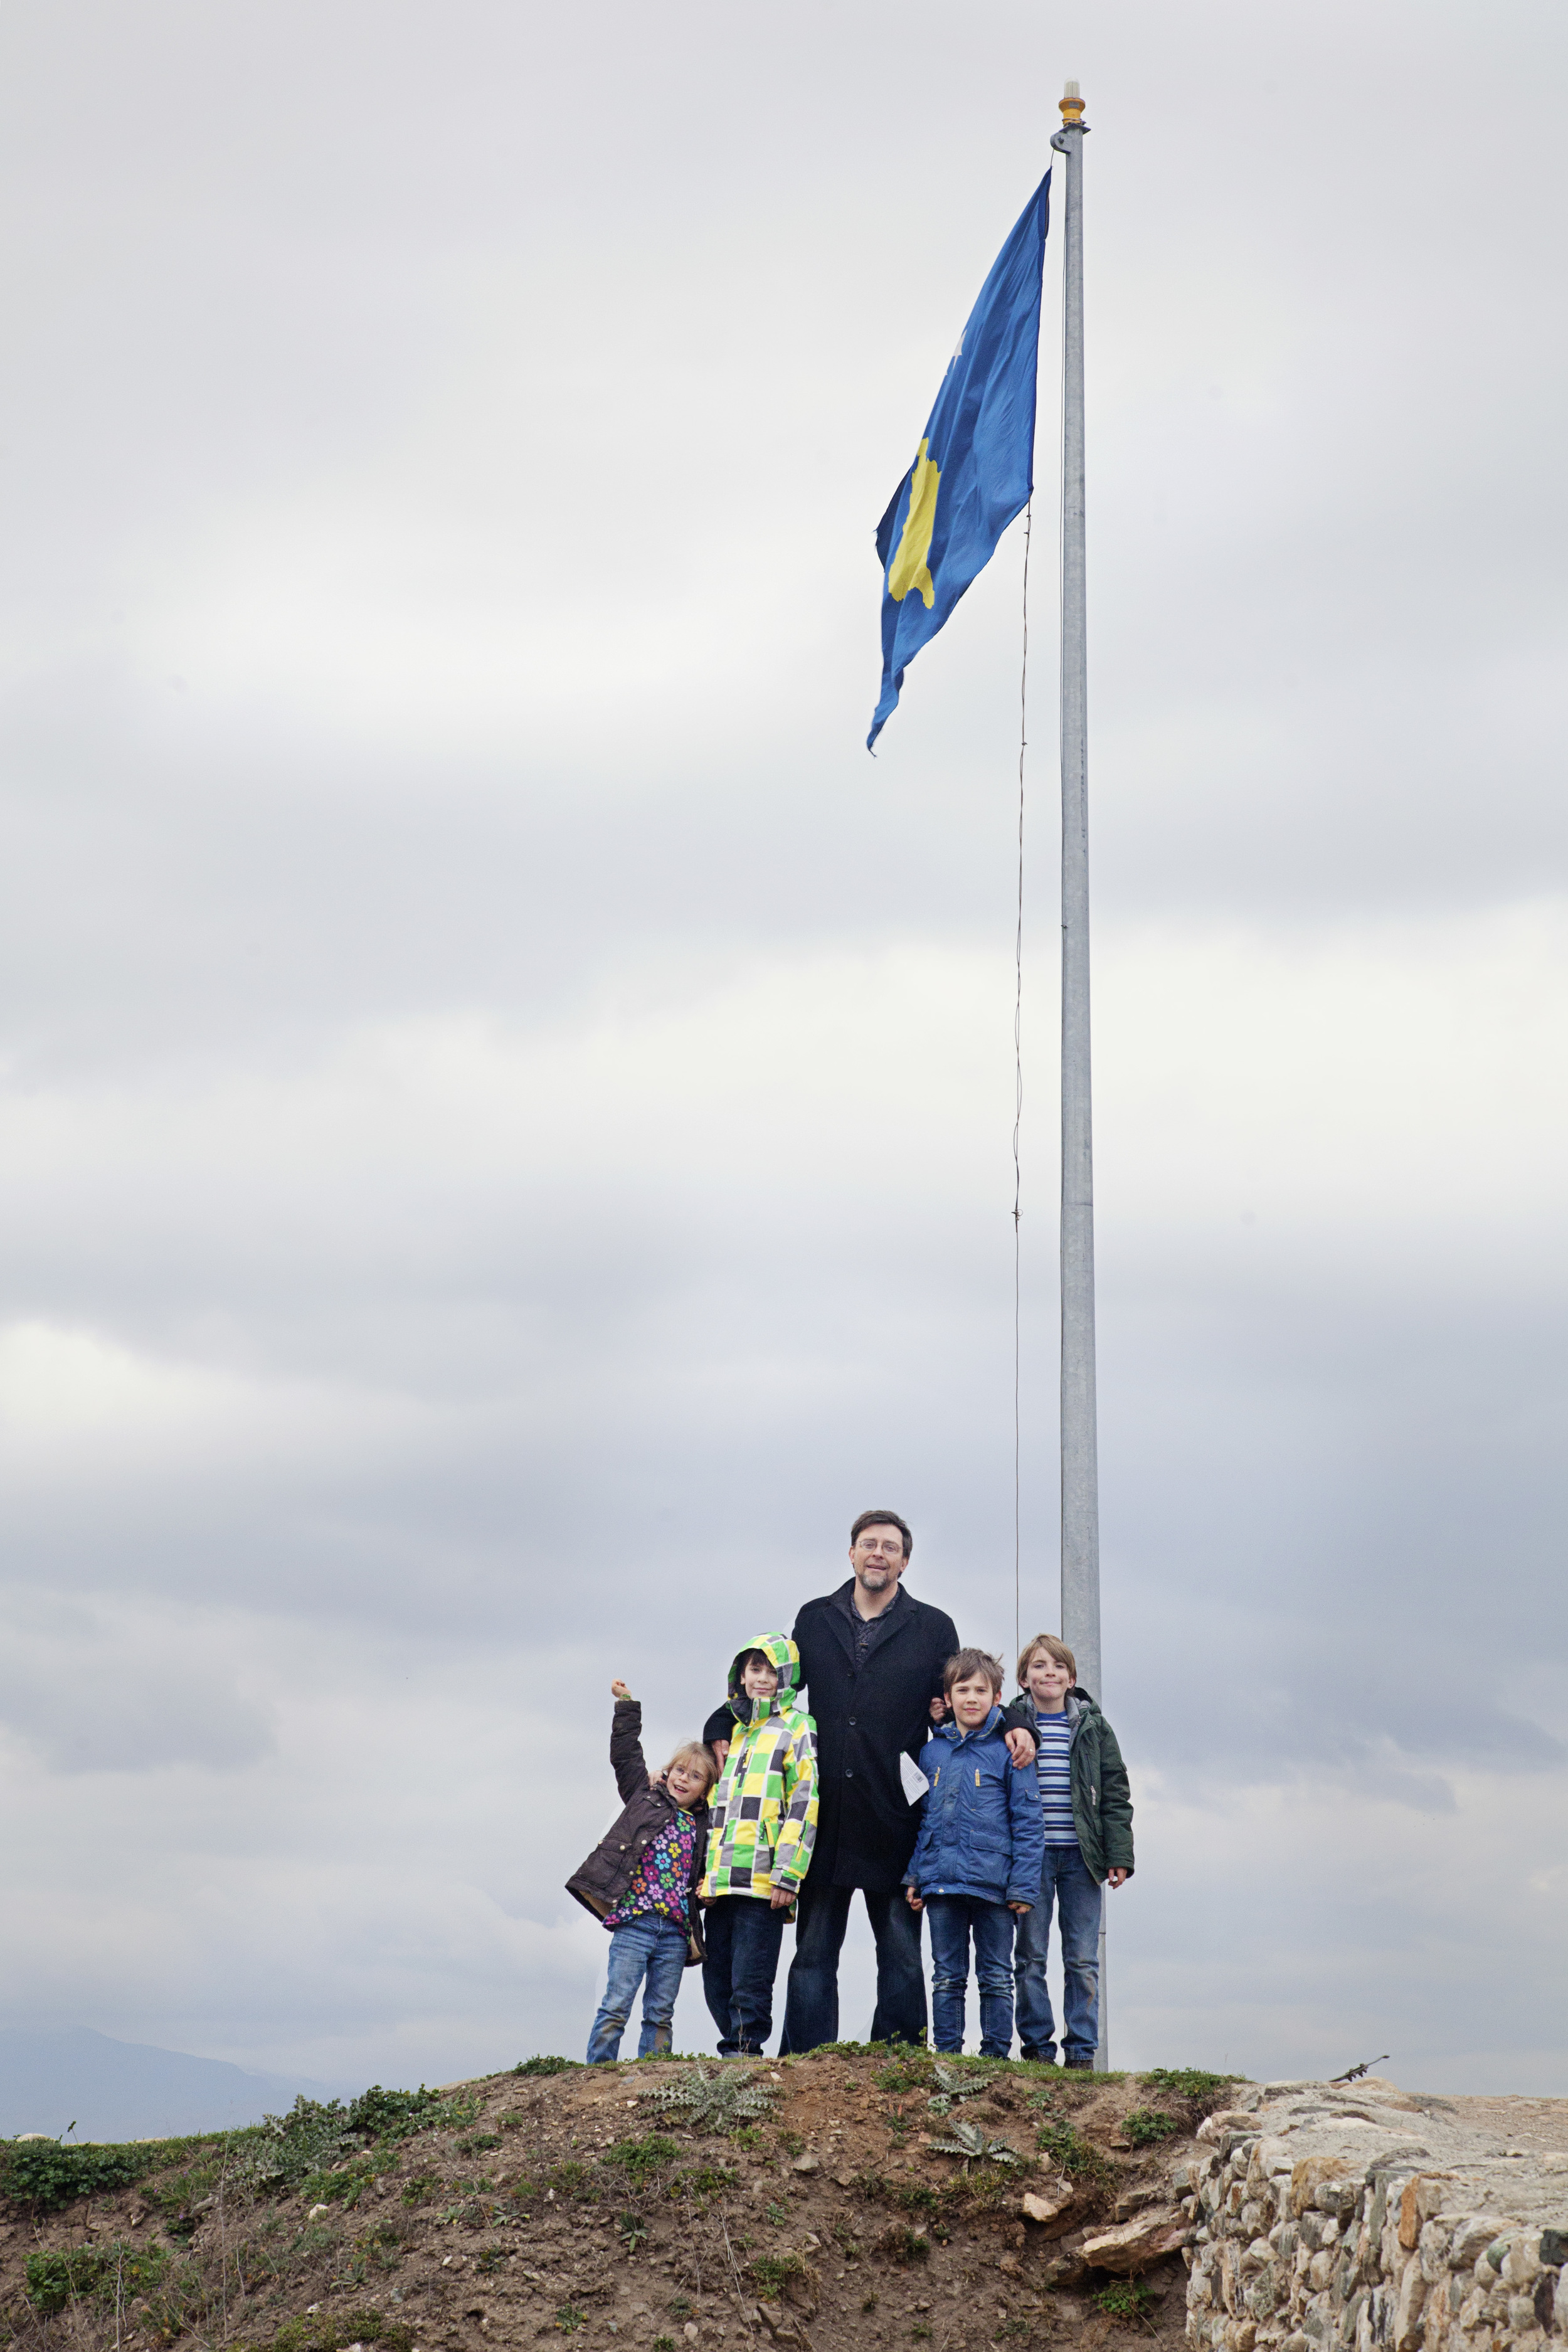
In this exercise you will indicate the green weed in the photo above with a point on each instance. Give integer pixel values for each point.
(774, 2274)
(910, 2071)
(544, 2065)
(641, 2159)
(392, 2115)
(1071, 2153)
(320, 2332)
(82, 2273)
(1125, 2299)
(574, 2180)
(44, 2173)
(901, 2245)
(568, 2319)
(1146, 2125)
(704, 2181)
(1187, 2082)
(914, 2196)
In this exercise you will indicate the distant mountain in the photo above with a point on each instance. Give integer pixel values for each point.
(130, 2090)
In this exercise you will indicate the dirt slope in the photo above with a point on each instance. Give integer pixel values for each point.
(570, 2204)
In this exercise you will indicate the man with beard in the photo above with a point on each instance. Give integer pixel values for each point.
(872, 1659)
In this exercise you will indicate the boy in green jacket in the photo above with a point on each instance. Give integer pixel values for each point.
(761, 1826)
(1087, 1808)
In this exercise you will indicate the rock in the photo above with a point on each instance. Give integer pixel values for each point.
(806, 2164)
(1228, 2119)
(318, 2212)
(1470, 2240)
(1310, 2174)
(691, 2331)
(1419, 2200)
(845, 2179)
(1054, 2206)
(1136, 2244)
(1065, 2270)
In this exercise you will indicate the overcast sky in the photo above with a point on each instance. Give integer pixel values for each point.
(505, 1109)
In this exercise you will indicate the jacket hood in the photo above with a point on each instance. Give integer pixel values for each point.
(781, 1651)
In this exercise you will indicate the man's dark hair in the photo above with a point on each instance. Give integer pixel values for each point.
(882, 1519)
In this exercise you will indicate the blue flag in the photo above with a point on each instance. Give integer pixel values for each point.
(975, 466)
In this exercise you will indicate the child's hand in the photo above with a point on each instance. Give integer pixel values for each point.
(1117, 1877)
(914, 1899)
(782, 1896)
(619, 1690)
(1021, 1747)
(1020, 1907)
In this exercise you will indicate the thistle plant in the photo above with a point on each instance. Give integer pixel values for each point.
(710, 2098)
(974, 2144)
(954, 2084)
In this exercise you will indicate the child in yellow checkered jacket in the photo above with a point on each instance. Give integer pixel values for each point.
(763, 1822)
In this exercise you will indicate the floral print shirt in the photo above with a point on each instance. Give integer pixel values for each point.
(663, 1875)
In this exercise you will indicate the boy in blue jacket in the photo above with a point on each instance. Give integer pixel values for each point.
(977, 1862)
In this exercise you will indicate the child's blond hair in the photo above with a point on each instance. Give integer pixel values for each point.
(697, 1752)
(1053, 1648)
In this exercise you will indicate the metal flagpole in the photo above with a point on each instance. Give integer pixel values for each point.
(1081, 1478)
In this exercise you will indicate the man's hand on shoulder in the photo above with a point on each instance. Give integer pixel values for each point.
(1020, 1747)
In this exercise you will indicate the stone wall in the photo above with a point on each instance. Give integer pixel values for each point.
(1358, 2218)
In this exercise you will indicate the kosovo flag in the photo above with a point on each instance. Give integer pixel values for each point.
(976, 468)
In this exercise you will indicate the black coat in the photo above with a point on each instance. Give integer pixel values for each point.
(864, 1721)
(607, 1872)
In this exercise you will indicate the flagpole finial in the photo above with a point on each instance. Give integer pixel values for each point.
(1072, 106)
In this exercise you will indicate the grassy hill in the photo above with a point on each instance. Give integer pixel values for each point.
(820, 2201)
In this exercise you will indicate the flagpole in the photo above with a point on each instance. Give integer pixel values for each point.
(1079, 1464)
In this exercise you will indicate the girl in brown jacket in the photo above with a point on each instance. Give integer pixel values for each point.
(641, 1881)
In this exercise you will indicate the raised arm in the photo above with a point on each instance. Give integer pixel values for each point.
(625, 1744)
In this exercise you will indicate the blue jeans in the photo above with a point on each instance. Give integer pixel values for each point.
(811, 2009)
(953, 1918)
(648, 1946)
(1066, 1881)
(742, 1933)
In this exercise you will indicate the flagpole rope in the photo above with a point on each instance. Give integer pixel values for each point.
(1018, 1115)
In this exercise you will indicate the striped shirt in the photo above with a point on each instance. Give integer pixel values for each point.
(1054, 1733)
